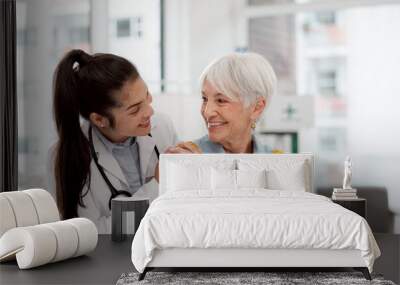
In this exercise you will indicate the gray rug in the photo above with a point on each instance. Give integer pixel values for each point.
(225, 278)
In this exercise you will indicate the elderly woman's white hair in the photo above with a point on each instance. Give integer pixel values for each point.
(243, 76)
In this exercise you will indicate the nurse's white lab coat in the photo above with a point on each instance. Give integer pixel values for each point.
(96, 201)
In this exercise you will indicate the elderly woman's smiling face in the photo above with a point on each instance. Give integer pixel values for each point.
(228, 120)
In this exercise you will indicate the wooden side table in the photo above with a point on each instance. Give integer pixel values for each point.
(358, 206)
(119, 205)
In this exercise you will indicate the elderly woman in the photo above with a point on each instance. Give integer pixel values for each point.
(235, 90)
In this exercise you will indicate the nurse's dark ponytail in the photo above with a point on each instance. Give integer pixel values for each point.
(83, 84)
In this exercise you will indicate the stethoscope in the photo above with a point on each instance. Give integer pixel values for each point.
(114, 192)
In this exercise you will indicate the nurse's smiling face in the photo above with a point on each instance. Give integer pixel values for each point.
(228, 121)
(131, 115)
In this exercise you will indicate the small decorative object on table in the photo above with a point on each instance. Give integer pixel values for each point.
(347, 196)
(119, 205)
(347, 192)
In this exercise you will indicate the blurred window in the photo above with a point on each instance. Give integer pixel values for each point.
(46, 30)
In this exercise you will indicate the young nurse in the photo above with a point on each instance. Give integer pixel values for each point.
(115, 150)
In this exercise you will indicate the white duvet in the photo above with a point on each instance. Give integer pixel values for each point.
(251, 218)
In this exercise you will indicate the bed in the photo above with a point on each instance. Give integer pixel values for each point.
(245, 211)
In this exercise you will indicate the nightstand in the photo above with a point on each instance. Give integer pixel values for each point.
(358, 206)
(119, 205)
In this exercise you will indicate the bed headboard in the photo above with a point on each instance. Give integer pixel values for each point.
(271, 160)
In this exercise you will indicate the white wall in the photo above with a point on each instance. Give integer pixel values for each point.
(37, 59)
(198, 32)
(212, 33)
(374, 100)
(177, 47)
(143, 52)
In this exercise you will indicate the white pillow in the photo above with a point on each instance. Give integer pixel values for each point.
(251, 178)
(281, 174)
(237, 179)
(293, 179)
(181, 177)
(223, 179)
(185, 174)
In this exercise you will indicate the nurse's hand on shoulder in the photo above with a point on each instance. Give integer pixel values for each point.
(184, 147)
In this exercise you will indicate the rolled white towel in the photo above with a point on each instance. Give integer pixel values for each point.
(45, 206)
(40, 244)
(7, 218)
(26, 208)
(87, 235)
(23, 209)
(67, 240)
